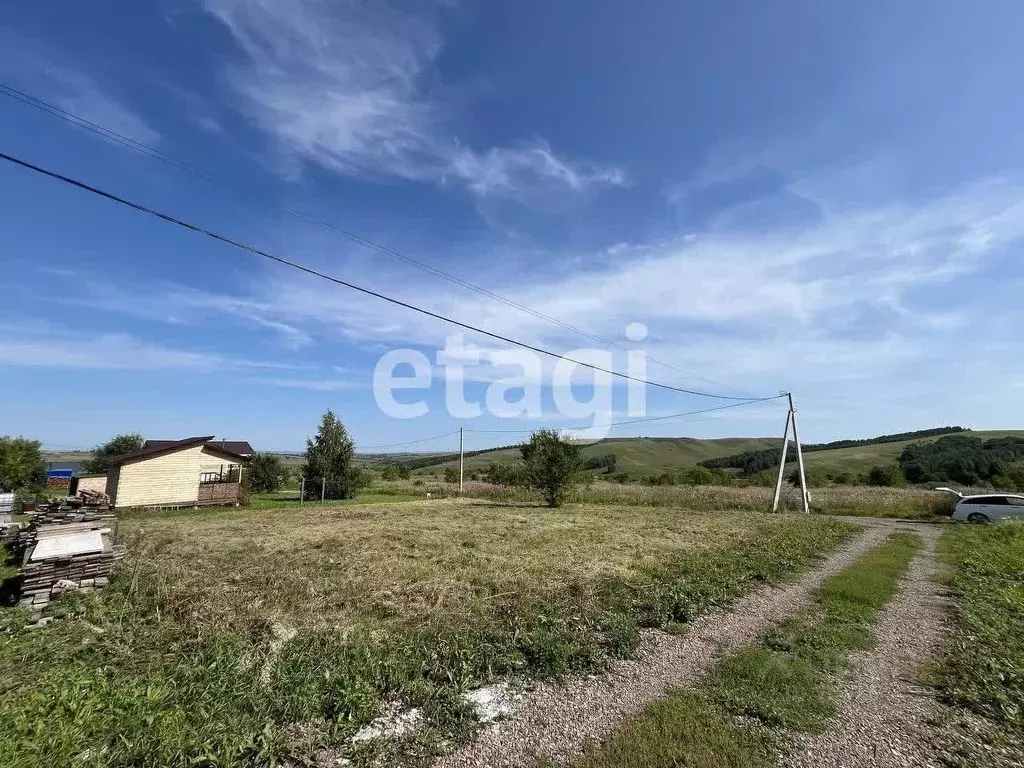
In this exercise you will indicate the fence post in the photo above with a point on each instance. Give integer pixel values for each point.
(302, 490)
(323, 489)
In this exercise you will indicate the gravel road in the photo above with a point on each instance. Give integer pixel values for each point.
(556, 722)
(884, 719)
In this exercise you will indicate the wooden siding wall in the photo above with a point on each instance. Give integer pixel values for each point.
(210, 462)
(166, 480)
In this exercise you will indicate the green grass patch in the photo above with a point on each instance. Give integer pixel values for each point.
(786, 682)
(681, 731)
(983, 665)
(286, 499)
(407, 604)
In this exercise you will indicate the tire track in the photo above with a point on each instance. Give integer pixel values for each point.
(885, 719)
(557, 722)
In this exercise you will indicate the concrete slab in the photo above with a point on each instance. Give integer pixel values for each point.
(84, 543)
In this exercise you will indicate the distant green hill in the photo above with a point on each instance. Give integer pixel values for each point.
(636, 455)
(640, 456)
(863, 458)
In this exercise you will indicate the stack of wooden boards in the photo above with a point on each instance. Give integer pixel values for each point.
(67, 546)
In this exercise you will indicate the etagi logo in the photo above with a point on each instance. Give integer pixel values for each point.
(519, 394)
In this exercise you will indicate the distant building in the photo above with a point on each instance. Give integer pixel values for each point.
(195, 471)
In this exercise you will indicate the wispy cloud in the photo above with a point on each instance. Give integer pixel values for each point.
(55, 349)
(854, 298)
(347, 86)
(314, 385)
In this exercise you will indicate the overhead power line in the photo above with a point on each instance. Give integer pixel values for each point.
(338, 281)
(364, 448)
(629, 421)
(181, 165)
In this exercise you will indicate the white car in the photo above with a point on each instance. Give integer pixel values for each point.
(988, 507)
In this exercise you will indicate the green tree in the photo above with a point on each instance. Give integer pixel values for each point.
(103, 455)
(552, 465)
(265, 473)
(885, 476)
(451, 475)
(699, 475)
(21, 464)
(329, 459)
(504, 474)
(815, 478)
(390, 472)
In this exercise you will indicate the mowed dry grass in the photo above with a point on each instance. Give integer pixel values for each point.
(324, 567)
(909, 502)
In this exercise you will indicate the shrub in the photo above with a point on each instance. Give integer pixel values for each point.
(701, 476)
(552, 465)
(885, 477)
(815, 479)
(451, 475)
(665, 477)
(265, 473)
(608, 463)
(390, 472)
(508, 475)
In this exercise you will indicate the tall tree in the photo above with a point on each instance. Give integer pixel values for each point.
(103, 455)
(329, 458)
(553, 465)
(21, 464)
(265, 472)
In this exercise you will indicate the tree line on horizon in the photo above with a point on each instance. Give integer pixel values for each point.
(752, 462)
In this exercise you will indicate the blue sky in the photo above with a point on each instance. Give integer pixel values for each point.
(820, 197)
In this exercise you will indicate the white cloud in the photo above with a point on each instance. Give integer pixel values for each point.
(313, 385)
(506, 171)
(819, 281)
(345, 86)
(111, 351)
(845, 303)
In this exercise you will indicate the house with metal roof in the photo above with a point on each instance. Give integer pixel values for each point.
(192, 472)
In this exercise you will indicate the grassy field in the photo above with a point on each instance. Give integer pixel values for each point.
(385, 494)
(789, 681)
(636, 455)
(860, 459)
(641, 456)
(233, 637)
(864, 501)
(983, 667)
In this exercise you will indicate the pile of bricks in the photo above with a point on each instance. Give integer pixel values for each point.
(46, 578)
(66, 546)
(87, 507)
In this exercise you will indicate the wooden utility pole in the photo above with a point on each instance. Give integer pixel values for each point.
(462, 452)
(804, 495)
